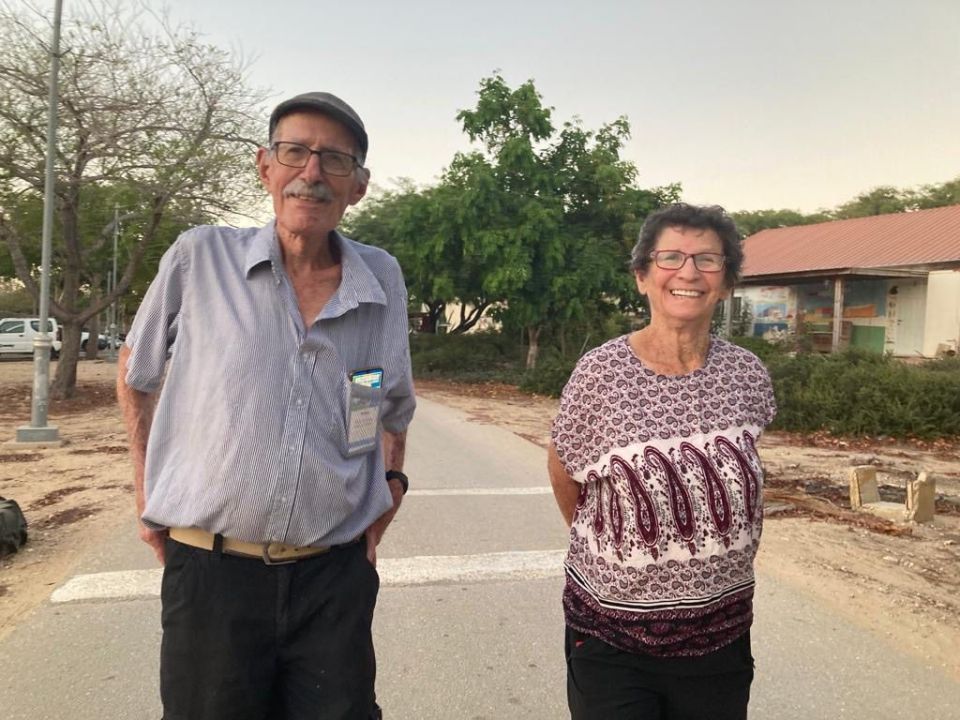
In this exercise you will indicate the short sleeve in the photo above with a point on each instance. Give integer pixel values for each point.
(154, 328)
(573, 435)
(399, 399)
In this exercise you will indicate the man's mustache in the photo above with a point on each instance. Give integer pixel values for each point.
(301, 188)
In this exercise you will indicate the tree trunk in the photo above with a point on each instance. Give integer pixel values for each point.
(64, 384)
(93, 339)
(533, 349)
(432, 318)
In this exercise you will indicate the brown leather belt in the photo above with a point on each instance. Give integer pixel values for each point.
(270, 553)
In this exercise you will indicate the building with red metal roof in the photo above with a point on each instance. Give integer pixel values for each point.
(890, 283)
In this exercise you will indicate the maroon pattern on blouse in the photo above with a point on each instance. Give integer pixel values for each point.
(670, 515)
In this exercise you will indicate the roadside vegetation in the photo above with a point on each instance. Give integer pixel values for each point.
(849, 393)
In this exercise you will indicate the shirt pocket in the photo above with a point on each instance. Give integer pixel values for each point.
(362, 420)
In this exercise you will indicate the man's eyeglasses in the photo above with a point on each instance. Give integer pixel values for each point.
(674, 260)
(296, 155)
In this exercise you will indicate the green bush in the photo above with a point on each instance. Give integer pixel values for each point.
(475, 357)
(863, 393)
(758, 346)
(945, 364)
(549, 377)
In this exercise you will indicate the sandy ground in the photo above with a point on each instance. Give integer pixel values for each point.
(901, 581)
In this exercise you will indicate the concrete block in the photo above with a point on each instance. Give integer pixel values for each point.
(921, 497)
(863, 486)
(892, 511)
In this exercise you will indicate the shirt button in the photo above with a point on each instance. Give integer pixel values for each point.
(292, 449)
(299, 402)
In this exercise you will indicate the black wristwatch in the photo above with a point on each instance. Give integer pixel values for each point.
(397, 475)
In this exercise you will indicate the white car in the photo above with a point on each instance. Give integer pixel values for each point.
(17, 334)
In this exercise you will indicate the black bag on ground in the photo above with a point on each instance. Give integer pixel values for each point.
(13, 527)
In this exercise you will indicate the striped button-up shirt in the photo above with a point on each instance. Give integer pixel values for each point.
(249, 435)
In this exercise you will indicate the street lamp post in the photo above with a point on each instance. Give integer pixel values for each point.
(113, 284)
(38, 431)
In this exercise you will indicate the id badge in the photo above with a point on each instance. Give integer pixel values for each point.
(363, 411)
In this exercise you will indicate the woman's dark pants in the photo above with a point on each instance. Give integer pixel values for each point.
(605, 683)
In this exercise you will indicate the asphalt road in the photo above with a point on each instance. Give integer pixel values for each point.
(469, 623)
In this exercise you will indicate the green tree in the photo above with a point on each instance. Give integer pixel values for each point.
(939, 195)
(555, 213)
(536, 223)
(149, 114)
(878, 201)
(402, 221)
(750, 222)
(421, 229)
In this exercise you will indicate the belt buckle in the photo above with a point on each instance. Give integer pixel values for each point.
(267, 560)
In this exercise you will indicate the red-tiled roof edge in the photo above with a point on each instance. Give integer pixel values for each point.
(891, 240)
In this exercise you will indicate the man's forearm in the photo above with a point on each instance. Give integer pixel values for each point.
(394, 446)
(137, 408)
(394, 449)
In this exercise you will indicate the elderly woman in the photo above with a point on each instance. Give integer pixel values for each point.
(654, 466)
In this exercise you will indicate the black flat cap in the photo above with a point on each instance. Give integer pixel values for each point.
(327, 104)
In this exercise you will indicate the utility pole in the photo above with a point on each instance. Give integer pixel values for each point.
(38, 432)
(113, 285)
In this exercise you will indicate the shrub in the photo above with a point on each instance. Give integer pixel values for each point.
(858, 392)
(474, 357)
(549, 377)
(758, 346)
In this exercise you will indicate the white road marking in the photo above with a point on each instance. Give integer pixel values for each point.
(394, 572)
(484, 491)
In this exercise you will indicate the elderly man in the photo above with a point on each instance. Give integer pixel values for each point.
(268, 452)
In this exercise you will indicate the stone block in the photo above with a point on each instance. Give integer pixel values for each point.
(863, 486)
(921, 498)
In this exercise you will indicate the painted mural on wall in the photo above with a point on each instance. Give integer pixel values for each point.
(774, 310)
(861, 299)
(865, 299)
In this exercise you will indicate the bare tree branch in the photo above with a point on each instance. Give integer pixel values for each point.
(150, 115)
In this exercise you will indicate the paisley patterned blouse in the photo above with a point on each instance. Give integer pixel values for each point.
(670, 513)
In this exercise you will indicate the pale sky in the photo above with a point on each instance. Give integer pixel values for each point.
(750, 104)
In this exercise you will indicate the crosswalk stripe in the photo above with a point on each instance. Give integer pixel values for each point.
(394, 572)
(482, 491)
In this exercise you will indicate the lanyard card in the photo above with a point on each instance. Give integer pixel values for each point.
(371, 377)
(364, 410)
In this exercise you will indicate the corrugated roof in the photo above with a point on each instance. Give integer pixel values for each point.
(883, 241)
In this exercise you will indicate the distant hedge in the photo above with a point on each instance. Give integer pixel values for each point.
(850, 393)
(861, 393)
(474, 357)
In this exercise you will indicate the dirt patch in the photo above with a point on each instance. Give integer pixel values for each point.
(70, 498)
(20, 457)
(55, 496)
(67, 517)
(109, 450)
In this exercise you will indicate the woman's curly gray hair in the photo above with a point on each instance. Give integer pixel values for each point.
(698, 217)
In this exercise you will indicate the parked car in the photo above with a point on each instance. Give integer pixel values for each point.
(17, 334)
(103, 342)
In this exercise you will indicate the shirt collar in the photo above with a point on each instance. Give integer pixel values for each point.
(263, 248)
(358, 284)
